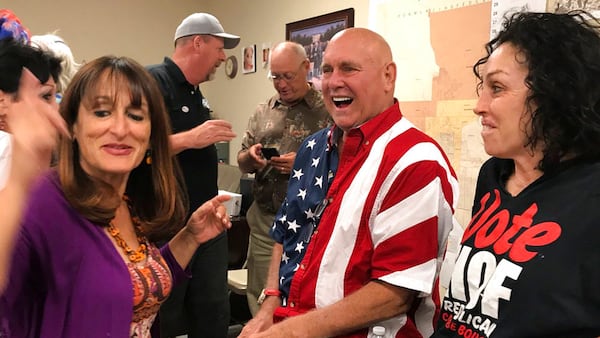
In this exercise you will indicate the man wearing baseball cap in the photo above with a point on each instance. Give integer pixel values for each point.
(203, 23)
(200, 307)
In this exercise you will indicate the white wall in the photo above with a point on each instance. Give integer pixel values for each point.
(142, 29)
(260, 21)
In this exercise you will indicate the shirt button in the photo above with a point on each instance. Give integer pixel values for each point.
(292, 304)
(366, 143)
(302, 266)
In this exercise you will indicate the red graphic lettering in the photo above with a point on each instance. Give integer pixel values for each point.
(517, 236)
(450, 325)
(470, 230)
(468, 333)
(519, 222)
(485, 237)
(539, 235)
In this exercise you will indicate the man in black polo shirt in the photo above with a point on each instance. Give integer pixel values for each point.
(199, 308)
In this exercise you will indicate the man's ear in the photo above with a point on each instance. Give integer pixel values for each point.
(389, 73)
(306, 64)
(198, 41)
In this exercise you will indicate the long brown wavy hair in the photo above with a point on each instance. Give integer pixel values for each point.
(156, 191)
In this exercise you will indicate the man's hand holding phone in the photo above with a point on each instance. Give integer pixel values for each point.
(283, 163)
(269, 152)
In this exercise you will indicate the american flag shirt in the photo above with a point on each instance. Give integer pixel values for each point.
(381, 210)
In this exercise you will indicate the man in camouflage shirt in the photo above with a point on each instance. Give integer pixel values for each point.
(283, 122)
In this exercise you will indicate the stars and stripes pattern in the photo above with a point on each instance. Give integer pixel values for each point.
(391, 199)
(297, 218)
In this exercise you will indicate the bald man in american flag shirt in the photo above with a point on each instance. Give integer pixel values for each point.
(370, 202)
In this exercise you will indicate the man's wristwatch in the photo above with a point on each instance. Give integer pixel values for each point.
(267, 292)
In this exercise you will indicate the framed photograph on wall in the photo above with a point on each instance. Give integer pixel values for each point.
(266, 53)
(249, 59)
(314, 34)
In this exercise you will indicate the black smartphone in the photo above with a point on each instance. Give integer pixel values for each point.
(269, 152)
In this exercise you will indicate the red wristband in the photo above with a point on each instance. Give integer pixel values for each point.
(272, 292)
(266, 293)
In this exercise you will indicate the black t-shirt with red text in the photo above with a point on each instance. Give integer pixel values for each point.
(528, 265)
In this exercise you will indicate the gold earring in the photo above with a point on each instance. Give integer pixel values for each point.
(149, 157)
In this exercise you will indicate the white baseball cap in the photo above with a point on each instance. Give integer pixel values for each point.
(204, 23)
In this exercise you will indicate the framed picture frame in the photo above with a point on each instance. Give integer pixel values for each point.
(249, 59)
(266, 53)
(314, 34)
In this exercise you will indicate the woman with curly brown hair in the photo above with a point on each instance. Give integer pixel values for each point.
(528, 264)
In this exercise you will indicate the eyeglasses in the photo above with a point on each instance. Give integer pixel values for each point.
(287, 77)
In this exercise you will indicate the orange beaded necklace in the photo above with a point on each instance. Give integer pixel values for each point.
(134, 256)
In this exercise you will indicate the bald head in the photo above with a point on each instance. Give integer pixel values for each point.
(358, 77)
(289, 68)
(288, 50)
(371, 44)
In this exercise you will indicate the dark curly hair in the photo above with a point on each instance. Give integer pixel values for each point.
(562, 53)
